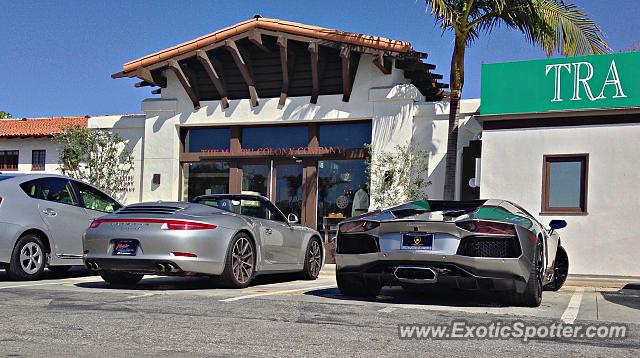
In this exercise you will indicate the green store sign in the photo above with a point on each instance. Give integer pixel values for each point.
(560, 84)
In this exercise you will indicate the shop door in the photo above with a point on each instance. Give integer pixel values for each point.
(279, 180)
(287, 187)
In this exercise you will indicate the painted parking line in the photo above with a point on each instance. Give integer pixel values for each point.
(275, 293)
(571, 313)
(388, 309)
(57, 282)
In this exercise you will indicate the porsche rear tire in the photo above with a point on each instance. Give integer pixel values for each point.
(532, 295)
(239, 268)
(312, 260)
(356, 287)
(121, 278)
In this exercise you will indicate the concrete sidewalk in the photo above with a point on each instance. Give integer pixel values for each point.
(618, 282)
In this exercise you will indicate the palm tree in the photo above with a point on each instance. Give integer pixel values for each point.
(554, 25)
(4, 115)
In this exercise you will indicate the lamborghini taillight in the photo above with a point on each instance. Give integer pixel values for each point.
(488, 227)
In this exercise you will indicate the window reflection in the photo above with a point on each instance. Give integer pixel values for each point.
(288, 196)
(349, 135)
(280, 137)
(205, 178)
(255, 179)
(565, 184)
(199, 139)
(342, 192)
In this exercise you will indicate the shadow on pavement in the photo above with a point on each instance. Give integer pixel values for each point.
(426, 296)
(171, 283)
(76, 271)
(628, 296)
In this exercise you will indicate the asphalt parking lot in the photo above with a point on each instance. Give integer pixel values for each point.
(76, 314)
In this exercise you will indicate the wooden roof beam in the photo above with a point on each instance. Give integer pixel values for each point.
(378, 60)
(232, 47)
(284, 65)
(315, 78)
(174, 66)
(214, 77)
(255, 37)
(345, 57)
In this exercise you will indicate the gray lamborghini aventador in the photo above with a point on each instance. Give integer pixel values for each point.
(484, 244)
(232, 237)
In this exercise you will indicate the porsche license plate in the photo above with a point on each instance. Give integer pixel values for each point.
(417, 241)
(125, 247)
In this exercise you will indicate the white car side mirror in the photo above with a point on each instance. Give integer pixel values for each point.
(292, 218)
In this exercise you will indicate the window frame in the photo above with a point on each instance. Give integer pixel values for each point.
(77, 187)
(44, 157)
(3, 160)
(584, 180)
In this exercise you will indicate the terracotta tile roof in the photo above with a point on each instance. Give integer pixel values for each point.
(257, 22)
(38, 127)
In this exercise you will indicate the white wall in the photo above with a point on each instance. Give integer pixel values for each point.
(604, 242)
(131, 129)
(24, 146)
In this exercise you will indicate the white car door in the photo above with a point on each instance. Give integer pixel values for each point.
(66, 220)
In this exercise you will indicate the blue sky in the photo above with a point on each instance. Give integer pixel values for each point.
(57, 56)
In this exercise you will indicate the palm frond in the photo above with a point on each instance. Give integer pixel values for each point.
(569, 31)
(444, 11)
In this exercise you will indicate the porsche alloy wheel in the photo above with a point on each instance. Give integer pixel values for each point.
(242, 260)
(312, 260)
(239, 267)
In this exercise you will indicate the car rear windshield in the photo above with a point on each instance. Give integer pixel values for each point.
(449, 208)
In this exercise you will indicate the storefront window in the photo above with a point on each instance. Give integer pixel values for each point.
(348, 135)
(564, 185)
(205, 178)
(288, 187)
(342, 192)
(280, 137)
(199, 139)
(255, 178)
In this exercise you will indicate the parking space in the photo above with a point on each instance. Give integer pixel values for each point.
(166, 315)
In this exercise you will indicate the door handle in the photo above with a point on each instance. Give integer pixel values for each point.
(49, 212)
(268, 231)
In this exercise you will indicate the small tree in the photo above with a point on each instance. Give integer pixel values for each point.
(397, 177)
(5, 115)
(96, 156)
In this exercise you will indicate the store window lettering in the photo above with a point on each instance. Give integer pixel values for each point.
(582, 74)
(281, 151)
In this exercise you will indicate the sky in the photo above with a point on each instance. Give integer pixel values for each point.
(56, 57)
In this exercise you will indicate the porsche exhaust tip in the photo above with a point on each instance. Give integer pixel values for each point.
(413, 274)
(92, 266)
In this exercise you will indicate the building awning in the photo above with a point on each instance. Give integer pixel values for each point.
(38, 127)
(275, 58)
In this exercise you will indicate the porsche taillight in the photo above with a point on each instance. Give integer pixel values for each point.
(488, 227)
(166, 224)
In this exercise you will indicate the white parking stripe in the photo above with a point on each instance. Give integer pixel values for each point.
(32, 284)
(571, 313)
(388, 309)
(57, 282)
(274, 293)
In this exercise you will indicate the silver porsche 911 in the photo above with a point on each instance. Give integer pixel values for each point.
(483, 244)
(231, 237)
